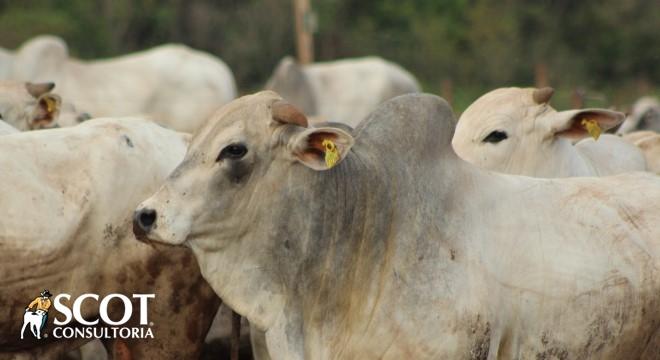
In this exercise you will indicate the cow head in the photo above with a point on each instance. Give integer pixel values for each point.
(513, 129)
(243, 147)
(226, 185)
(28, 106)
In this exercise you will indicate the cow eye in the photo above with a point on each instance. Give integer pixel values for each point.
(1, 117)
(232, 151)
(495, 137)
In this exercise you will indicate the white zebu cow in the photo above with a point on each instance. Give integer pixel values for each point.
(178, 86)
(30, 106)
(645, 115)
(343, 91)
(516, 131)
(402, 250)
(65, 223)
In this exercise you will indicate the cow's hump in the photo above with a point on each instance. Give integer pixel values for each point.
(411, 127)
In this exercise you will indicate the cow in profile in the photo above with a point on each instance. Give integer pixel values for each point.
(382, 243)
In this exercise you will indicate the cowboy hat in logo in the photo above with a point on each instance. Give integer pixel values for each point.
(36, 314)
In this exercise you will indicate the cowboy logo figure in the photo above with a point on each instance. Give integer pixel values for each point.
(37, 318)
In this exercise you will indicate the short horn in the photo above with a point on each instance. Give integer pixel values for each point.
(38, 89)
(286, 113)
(543, 95)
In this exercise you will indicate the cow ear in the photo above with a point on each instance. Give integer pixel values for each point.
(321, 148)
(48, 107)
(579, 124)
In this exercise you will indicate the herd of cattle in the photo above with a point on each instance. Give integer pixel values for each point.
(339, 211)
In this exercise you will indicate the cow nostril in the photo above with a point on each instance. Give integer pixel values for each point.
(143, 222)
(147, 218)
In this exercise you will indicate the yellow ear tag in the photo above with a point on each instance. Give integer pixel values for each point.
(50, 104)
(331, 153)
(592, 128)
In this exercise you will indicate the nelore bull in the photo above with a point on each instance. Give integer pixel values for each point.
(382, 243)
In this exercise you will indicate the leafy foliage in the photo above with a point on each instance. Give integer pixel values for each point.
(610, 48)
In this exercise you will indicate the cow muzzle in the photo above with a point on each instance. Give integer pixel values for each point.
(144, 220)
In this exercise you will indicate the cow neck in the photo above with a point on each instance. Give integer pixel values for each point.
(309, 234)
(342, 230)
(319, 235)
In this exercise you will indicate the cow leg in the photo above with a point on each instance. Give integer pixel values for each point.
(284, 339)
(258, 341)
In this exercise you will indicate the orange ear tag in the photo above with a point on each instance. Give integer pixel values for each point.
(592, 128)
(331, 153)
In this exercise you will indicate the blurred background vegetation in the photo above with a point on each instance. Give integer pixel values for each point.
(608, 51)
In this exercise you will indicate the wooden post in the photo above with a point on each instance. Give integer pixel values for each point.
(577, 98)
(540, 75)
(643, 86)
(447, 90)
(304, 41)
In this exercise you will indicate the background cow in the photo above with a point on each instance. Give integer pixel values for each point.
(649, 143)
(645, 115)
(65, 222)
(343, 91)
(516, 131)
(29, 106)
(403, 244)
(177, 85)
